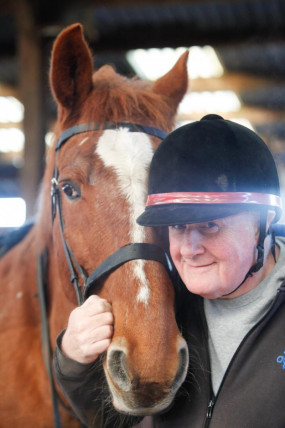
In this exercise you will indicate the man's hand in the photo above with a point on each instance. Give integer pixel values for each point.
(89, 330)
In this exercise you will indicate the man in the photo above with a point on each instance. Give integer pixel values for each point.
(215, 185)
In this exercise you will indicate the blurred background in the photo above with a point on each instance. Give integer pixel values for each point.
(236, 69)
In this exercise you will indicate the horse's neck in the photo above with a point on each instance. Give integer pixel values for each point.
(21, 354)
(18, 287)
(19, 298)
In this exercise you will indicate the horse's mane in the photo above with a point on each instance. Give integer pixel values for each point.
(12, 238)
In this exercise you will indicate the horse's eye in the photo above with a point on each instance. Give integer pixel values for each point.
(70, 191)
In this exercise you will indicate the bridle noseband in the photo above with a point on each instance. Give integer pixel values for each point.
(124, 254)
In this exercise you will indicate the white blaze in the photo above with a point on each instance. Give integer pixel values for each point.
(129, 154)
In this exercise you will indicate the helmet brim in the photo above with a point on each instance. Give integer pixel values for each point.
(172, 214)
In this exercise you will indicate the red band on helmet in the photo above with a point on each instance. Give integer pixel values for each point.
(214, 198)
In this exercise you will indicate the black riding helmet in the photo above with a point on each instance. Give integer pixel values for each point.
(210, 169)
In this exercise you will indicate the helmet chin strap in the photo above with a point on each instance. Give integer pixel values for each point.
(260, 251)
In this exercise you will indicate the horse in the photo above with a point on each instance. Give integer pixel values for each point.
(107, 129)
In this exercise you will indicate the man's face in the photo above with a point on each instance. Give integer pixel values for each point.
(213, 257)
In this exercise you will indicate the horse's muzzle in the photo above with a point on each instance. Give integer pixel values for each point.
(142, 393)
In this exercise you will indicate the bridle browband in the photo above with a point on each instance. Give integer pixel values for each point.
(98, 126)
(124, 254)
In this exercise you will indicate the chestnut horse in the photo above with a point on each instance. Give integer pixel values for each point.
(98, 173)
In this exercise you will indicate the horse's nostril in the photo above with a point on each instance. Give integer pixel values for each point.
(117, 369)
(183, 366)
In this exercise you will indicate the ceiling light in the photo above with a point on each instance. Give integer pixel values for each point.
(204, 62)
(244, 122)
(11, 110)
(209, 102)
(11, 140)
(49, 137)
(12, 212)
(153, 63)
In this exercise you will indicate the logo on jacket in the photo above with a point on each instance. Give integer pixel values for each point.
(281, 360)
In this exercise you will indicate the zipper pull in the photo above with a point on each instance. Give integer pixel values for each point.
(210, 409)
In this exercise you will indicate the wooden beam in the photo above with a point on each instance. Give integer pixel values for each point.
(31, 94)
(257, 116)
(237, 82)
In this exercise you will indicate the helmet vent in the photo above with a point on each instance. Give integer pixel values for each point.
(222, 182)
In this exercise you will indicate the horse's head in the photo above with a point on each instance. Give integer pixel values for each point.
(101, 177)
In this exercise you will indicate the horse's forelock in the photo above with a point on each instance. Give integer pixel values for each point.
(118, 98)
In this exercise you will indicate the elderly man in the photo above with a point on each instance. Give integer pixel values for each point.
(215, 185)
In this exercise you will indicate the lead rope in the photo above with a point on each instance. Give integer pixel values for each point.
(46, 347)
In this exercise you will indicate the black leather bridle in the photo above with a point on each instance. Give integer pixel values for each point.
(124, 254)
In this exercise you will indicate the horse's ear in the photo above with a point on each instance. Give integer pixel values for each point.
(71, 67)
(174, 84)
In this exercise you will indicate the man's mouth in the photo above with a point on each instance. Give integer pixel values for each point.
(198, 266)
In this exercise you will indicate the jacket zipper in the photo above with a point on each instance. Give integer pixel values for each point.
(211, 394)
(209, 412)
(213, 398)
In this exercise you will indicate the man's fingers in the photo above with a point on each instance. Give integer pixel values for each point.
(96, 305)
(80, 321)
(89, 330)
(92, 352)
(104, 332)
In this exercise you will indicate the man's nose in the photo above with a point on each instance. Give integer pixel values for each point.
(192, 243)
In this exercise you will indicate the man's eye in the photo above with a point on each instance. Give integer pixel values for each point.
(179, 226)
(70, 191)
(209, 226)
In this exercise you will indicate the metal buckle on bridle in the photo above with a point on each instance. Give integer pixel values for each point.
(54, 192)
